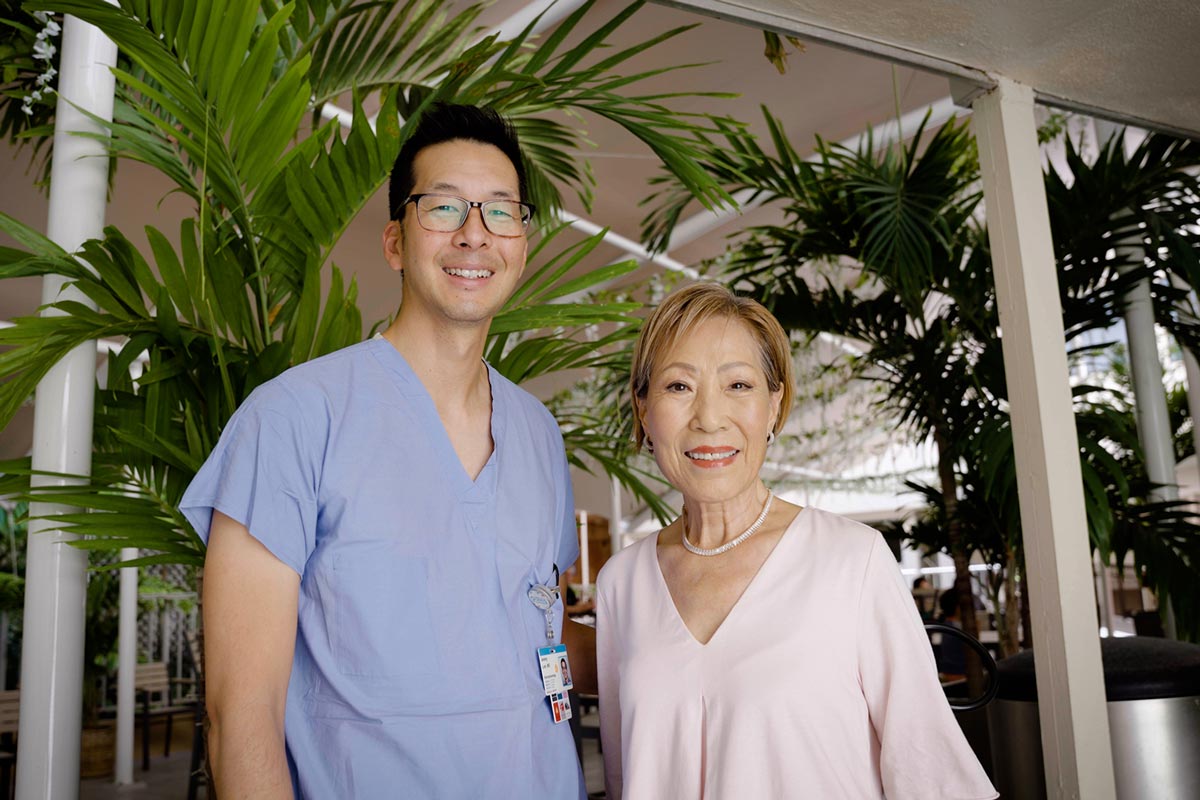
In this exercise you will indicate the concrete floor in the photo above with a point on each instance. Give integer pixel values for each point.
(167, 778)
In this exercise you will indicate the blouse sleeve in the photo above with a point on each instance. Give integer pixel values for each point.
(923, 753)
(608, 661)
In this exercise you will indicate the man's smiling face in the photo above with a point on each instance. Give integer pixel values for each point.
(464, 277)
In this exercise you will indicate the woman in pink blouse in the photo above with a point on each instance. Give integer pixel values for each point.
(754, 649)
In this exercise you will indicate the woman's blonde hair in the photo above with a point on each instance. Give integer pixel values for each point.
(676, 317)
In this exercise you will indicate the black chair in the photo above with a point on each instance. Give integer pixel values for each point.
(153, 680)
(985, 658)
(10, 704)
(198, 770)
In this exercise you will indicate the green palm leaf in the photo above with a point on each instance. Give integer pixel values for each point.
(216, 96)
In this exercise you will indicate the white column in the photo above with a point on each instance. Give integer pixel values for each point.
(1153, 420)
(1191, 368)
(1070, 681)
(1150, 396)
(126, 667)
(55, 580)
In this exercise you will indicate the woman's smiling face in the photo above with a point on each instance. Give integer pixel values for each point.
(708, 410)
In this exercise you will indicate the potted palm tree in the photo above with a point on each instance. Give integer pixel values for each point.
(239, 298)
(921, 307)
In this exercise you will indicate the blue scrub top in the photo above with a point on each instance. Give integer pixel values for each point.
(415, 672)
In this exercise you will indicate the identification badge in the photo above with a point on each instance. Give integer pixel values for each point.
(552, 659)
(560, 707)
(556, 672)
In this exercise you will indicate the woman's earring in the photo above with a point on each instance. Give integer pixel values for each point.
(771, 438)
(650, 446)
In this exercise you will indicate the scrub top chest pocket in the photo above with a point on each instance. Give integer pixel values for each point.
(382, 623)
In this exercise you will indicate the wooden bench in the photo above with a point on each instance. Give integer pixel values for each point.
(150, 680)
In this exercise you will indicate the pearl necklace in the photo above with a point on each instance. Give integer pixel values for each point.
(732, 543)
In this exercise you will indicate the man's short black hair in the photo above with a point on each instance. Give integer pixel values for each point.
(446, 122)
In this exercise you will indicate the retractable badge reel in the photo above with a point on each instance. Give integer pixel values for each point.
(552, 659)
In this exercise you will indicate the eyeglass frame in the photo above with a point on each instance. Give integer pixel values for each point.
(414, 198)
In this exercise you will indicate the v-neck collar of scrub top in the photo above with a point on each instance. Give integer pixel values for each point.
(483, 488)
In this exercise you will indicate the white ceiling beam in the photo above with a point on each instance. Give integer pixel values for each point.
(552, 12)
(628, 245)
(706, 221)
(769, 20)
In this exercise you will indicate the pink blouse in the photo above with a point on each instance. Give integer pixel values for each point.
(819, 684)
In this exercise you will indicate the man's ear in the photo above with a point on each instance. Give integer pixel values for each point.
(393, 241)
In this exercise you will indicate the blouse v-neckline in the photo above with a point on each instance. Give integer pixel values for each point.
(756, 579)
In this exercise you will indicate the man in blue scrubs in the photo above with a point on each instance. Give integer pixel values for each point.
(377, 517)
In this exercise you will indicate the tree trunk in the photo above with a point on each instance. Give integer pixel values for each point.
(1009, 629)
(958, 551)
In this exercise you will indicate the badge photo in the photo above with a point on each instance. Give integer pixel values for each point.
(556, 672)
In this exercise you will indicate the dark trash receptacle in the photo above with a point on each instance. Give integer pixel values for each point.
(1153, 691)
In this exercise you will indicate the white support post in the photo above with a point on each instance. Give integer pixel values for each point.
(1150, 396)
(1191, 367)
(1070, 678)
(55, 580)
(1192, 370)
(126, 667)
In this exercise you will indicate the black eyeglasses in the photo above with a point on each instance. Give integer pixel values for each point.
(445, 213)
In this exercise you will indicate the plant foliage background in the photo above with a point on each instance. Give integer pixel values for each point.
(224, 99)
(885, 247)
(914, 291)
